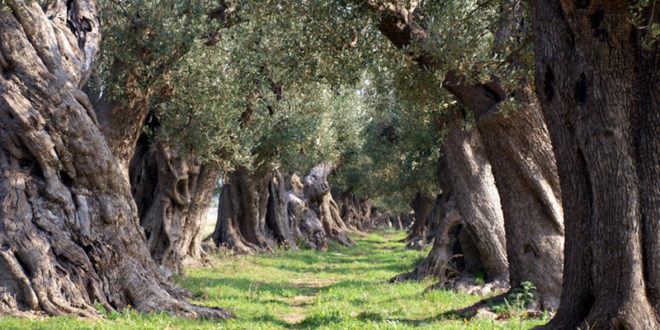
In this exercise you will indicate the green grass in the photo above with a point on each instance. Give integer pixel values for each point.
(343, 288)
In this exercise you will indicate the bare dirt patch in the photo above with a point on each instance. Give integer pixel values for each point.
(300, 303)
(293, 317)
(311, 282)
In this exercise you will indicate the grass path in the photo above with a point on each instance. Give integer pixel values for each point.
(343, 288)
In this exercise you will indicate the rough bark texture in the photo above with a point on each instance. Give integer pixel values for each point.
(477, 200)
(601, 99)
(172, 195)
(319, 199)
(438, 263)
(355, 213)
(121, 123)
(520, 153)
(259, 211)
(519, 148)
(470, 199)
(69, 231)
(422, 206)
(277, 216)
(241, 224)
(306, 225)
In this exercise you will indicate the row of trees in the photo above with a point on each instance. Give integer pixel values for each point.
(540, 140)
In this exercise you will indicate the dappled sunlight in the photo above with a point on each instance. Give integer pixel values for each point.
(345, 287)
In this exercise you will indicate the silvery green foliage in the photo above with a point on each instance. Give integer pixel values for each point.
(397, 151)
(210, 80)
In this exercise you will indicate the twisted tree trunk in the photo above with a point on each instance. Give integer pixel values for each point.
(469, 198)
(355, 213)
(422, 206)
(172, 195)
(476, 197)
(283, 227)
(519, 149)
(511, 140)
(598, 86)
(438, 263)
(304, 221)
(242, 212)
(319, 199)
(70, 235)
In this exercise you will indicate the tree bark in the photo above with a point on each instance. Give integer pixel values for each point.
(121, 123)
(519, 147)
(438, 263)
(470, 179)
(306, 224)
(599, 90)
(277, 216)
(69, 234)
(422, 206)
(319, 199)
(172, 195)
(355, 213)
(469, 198)
(242, 212)
(395, 220)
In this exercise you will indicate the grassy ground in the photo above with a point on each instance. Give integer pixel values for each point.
(343, 288)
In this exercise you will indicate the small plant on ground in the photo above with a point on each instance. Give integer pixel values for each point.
(518, 301)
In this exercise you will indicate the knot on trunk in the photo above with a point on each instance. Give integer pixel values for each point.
(177, 175)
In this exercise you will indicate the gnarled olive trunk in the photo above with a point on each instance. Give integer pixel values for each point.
(70, 235)
(469, 198)
(422, 206)
(536, 248)
(242, 211)
(172, 195)
(598, 86)
(519, 149)
(470, 178)
(305, 223)
(355, 213)
(253, 213)
(283, 227)
(438, 263)
(319, 199)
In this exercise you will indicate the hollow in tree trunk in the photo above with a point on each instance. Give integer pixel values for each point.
(471, 181)
(438, 263)
(70, 236)
(598, 86)
(172, 195)
(319, 199)
(305, 223)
